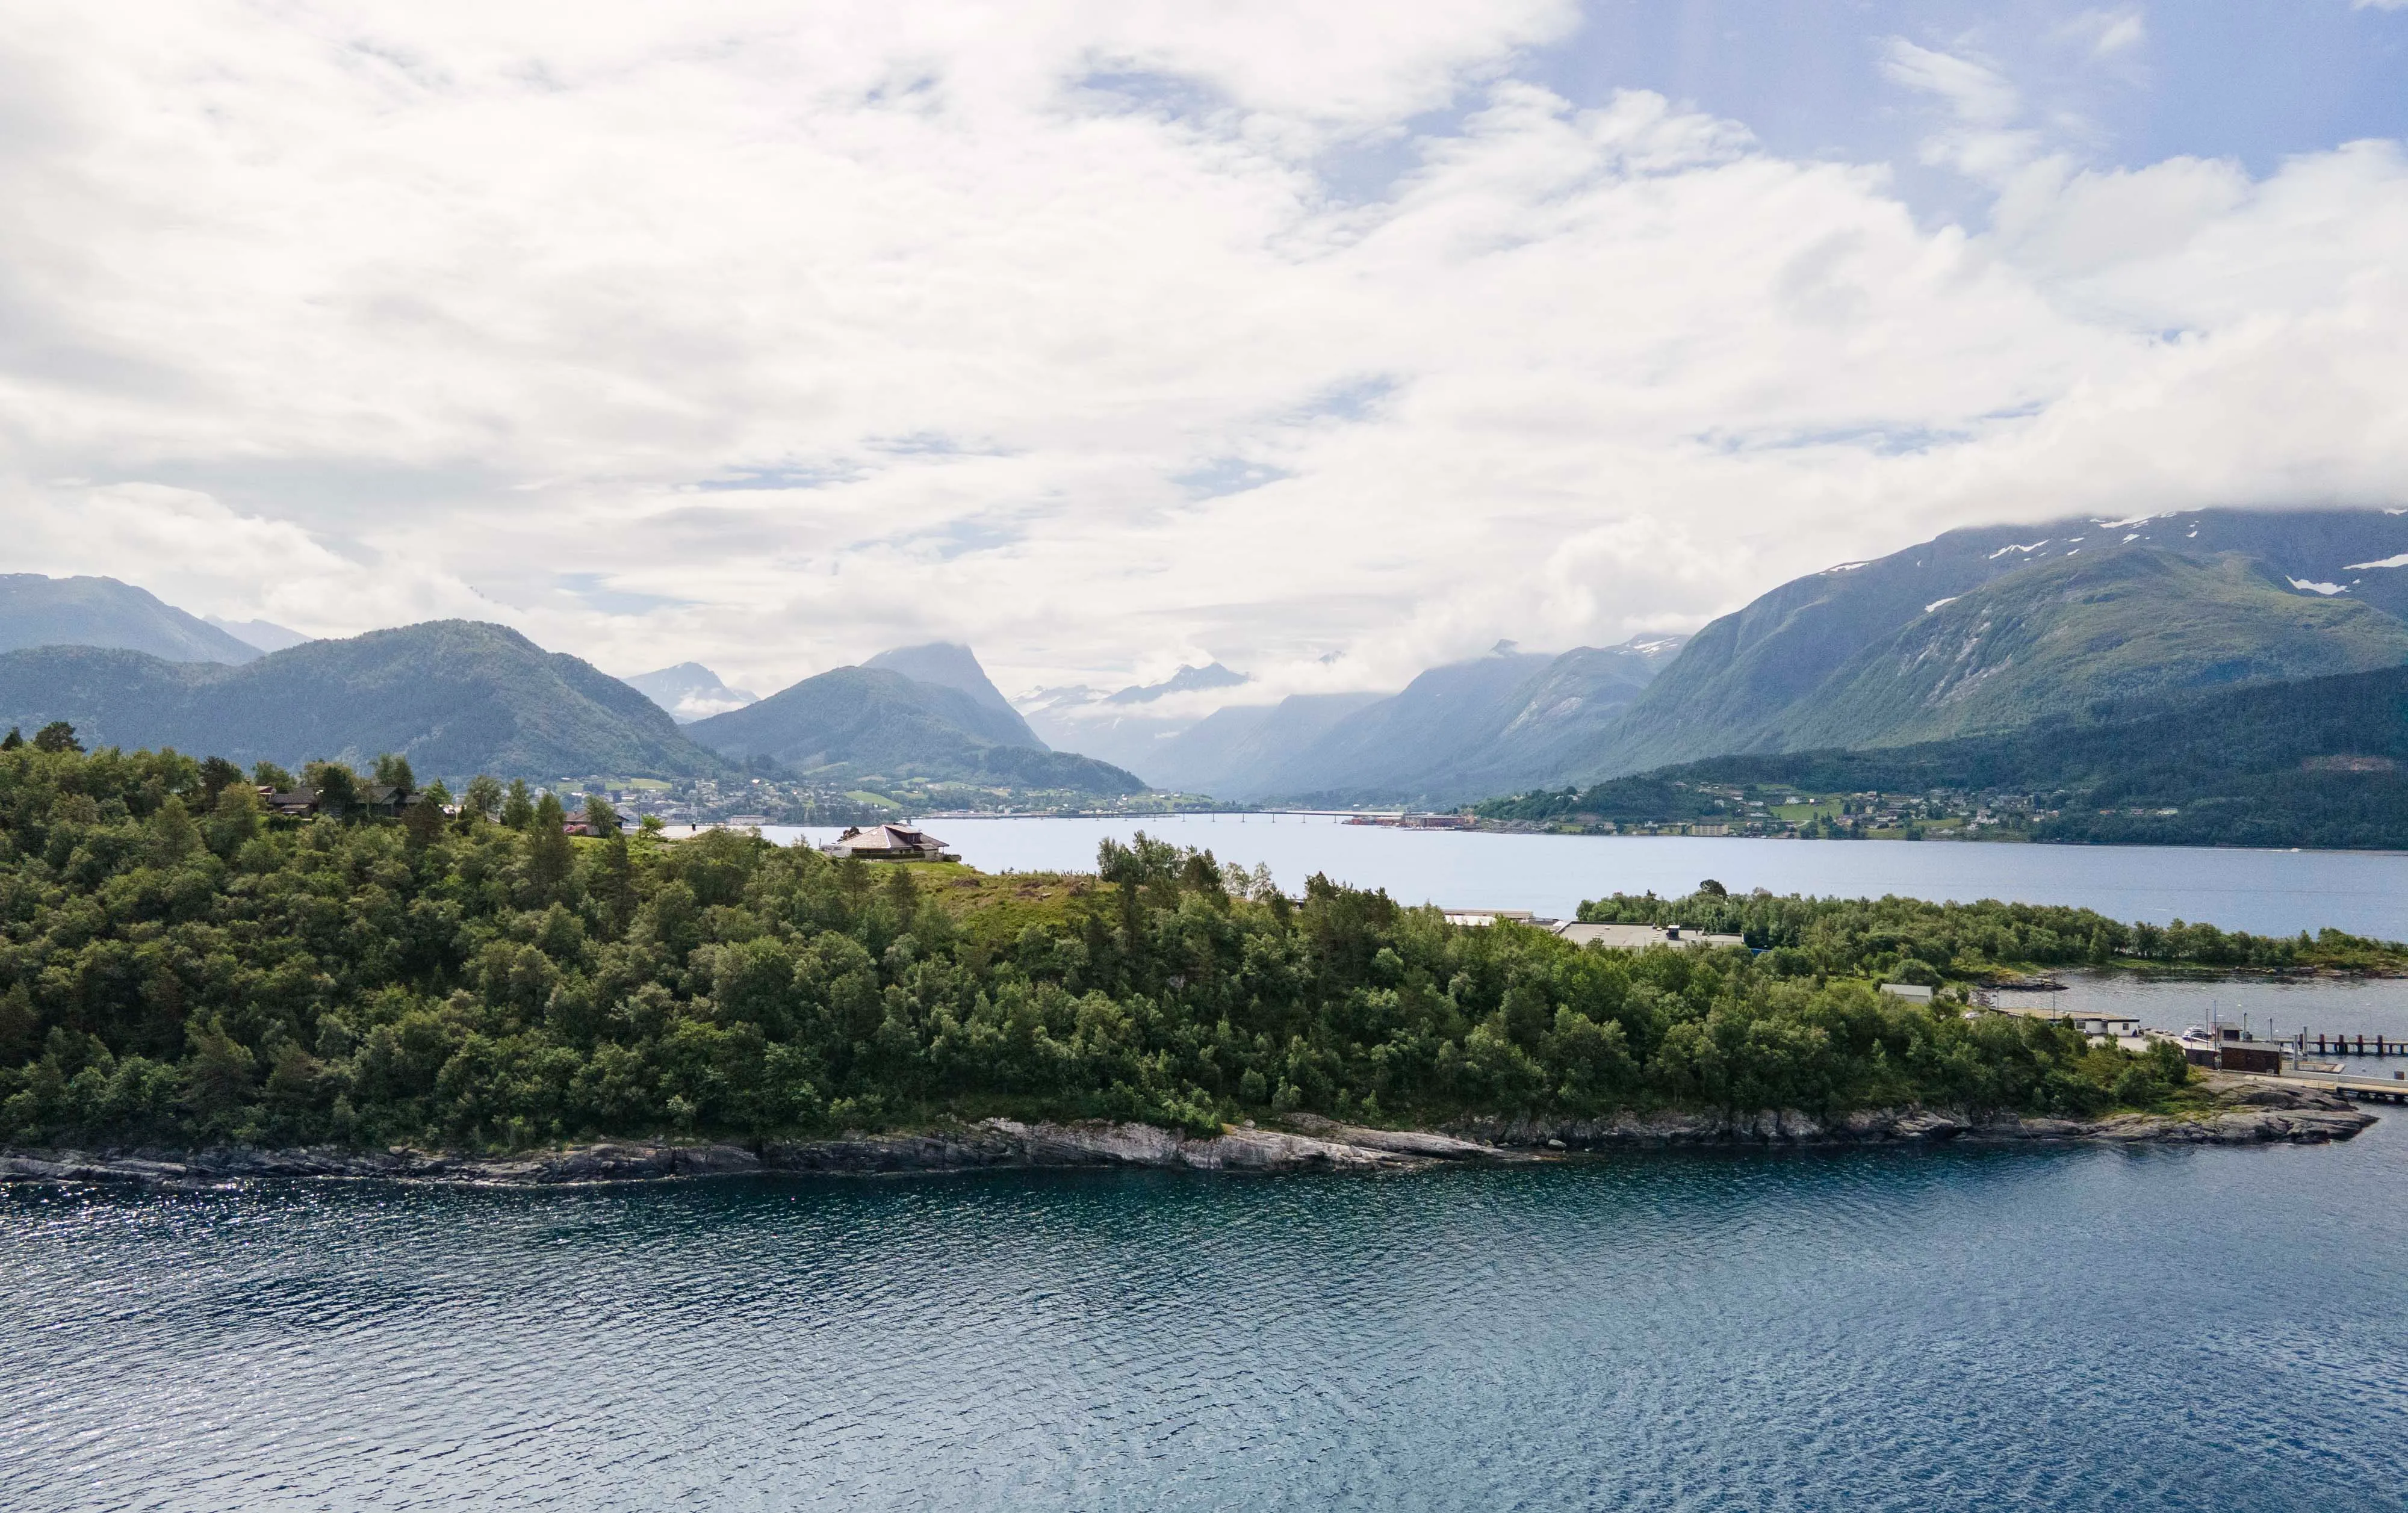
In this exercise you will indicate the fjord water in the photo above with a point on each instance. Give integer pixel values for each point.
(2055, 1329)
(2074, 1328)
(2269, 892)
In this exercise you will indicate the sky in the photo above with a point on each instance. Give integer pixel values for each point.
(1331, 342)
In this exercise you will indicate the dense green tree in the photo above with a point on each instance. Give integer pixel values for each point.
(548, 849)
(57, 736)
(217, 774)
(482, 799)
(169, 978)
(334, 784)
(393, 772)
(518, 806)
(422, 822)
(234, 818)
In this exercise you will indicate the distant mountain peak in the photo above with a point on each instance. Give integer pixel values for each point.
(858, 723)
(264, 634)
(1655, 647)
(35, 610)
(945, 664)
(1186, 680)
(690, 691)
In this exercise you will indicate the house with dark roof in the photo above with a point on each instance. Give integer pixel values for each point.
(890, 843)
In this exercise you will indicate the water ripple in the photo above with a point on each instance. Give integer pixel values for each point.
(1872, 1330)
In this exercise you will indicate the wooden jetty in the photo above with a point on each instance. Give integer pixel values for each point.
(2343, 1045)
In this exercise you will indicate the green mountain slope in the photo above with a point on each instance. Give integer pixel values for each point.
(2313, 762)
(454, 696)
(35, 610)
(2060, 635)
(868, 723)
(1739, 683)
(2320, 762)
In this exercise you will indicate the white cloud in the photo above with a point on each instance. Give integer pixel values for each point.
(191, 549)
(768, 337)
(1980, 141)
(2108, 33)
(1978, 95)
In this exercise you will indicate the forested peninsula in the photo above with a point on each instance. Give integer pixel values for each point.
(179, 969)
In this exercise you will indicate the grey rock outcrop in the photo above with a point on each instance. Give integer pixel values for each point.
(2249, 1113)
(993, 1143)
(2246, 1113)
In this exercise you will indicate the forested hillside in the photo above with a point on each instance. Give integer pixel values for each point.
(2322, 762)
(864, 723)
(174, 969)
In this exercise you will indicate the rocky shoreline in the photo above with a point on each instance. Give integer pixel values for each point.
(2246, 1113)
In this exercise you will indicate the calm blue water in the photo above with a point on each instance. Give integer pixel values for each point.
(2375, 1007)
(1881, 1329)
(1951, 1330)
(2270, 892)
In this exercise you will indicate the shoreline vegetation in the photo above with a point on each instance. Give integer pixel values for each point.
(180, 972)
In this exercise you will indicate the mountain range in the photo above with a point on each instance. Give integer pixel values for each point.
(1975, 634)
(265, 635)
(461, 696)
(1130, 726)
(1991, 628)
(1461, 730)
(2316, 761)
(1977, 631)
(1456, 731)
(35, 610)
(454, 696)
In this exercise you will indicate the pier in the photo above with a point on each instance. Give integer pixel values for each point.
(2343, 1045)
(2359, 1089)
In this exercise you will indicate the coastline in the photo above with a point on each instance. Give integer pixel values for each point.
(2244, 1114)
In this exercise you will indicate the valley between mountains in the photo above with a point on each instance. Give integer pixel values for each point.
(2227, 675)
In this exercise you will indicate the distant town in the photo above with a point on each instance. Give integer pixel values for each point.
(1775, 811)
(781, 801)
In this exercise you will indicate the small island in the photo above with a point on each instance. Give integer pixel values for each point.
(488, 987)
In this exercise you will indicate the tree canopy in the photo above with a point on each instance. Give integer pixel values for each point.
(178, 969)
